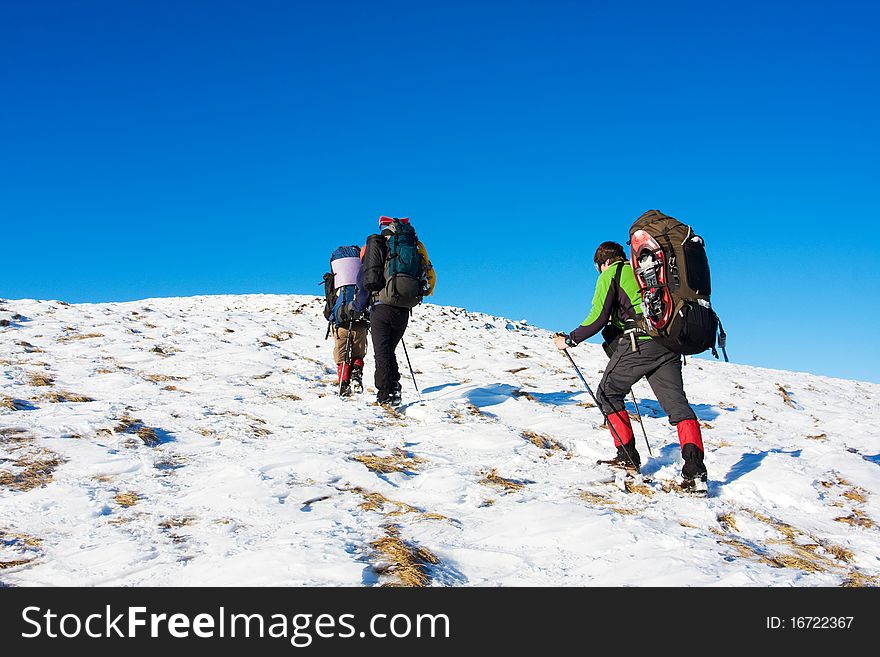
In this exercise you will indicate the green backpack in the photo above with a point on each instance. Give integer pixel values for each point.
(404, 268)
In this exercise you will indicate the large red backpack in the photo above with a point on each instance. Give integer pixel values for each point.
(671, 267)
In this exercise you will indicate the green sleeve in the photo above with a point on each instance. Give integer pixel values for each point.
(603, 285)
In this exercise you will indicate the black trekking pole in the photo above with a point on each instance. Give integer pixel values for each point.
(409, 364)
(642, 424)
(347, 361)
(599, 406)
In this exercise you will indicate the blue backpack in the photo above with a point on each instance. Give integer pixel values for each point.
(340, 285)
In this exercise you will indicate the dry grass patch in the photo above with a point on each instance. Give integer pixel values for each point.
(492, 478)
(840, 553)
(728, 521)
(634, 487)
(14, 435)
(516, 370)
(743, 549)
(597, 499)
(377, 502)
(524, 394)
(39, 380)
(398, 461)
(403, 560)
(857, 579)
(160, 378)
(12, 404)
(856, 494)
(801, 550)
(856, 519)
(10, 539)
(821, 437)
(473, 410)
(288, 396)
(29, 348)
(436, 516)
(805, 563)
(164, 351)
(61, 396)
(127, 499)
(35, 471)
(133, 426)
(170, 462)
(543, 441)
(520, 354)
(148, 436)
(73, 335)
(786, 396)
(177, 522)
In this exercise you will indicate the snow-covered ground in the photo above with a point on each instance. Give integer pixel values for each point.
(214, 451)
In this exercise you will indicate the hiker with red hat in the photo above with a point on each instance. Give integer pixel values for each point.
(395, 276)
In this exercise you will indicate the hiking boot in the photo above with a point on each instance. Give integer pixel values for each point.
(357, 376)
(392, 398)
(696, 484)
(627, 458)
(345, 389)
(395, 394)
(693, 472)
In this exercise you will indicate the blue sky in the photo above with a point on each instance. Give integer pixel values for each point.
(178, 148)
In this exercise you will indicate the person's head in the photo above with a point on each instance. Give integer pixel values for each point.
(607, 254)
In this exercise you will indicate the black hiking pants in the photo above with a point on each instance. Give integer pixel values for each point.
(655, 362)
(387, 326)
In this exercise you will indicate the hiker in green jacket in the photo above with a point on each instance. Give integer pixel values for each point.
(615, 312)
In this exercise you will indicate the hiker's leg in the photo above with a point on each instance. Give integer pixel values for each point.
(623, 370)
(668, 387)
(381, 330)
(398, 328)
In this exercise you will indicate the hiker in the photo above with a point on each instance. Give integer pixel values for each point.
(616, 311)
(349, 326)
(395, 276)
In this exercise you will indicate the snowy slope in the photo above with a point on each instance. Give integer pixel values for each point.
(214, 452)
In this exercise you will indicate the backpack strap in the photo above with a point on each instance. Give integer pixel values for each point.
(616, 283)
(618, 273)
(632, 330)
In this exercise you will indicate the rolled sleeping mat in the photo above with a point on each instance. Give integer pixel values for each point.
(345, 271)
